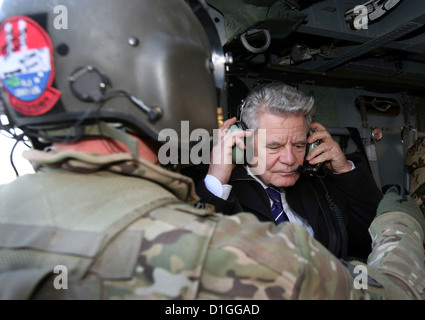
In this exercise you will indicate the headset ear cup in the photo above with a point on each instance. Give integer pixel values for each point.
(249, 144)
(240, 156)
(249, 151)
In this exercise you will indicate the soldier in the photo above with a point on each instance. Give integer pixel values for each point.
(102, 219)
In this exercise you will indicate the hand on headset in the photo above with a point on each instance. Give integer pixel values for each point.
(328, 151)
(221, 165)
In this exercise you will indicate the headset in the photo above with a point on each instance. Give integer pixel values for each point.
(241, 156)
(308, 169)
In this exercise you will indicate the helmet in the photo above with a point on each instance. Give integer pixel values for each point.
(142, 64)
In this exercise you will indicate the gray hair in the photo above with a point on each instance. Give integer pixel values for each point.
(276, 98)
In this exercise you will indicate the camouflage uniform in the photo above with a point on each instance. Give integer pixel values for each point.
(415, 164)
(128, 229)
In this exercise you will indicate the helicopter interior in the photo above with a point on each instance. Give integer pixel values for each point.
(363, 61)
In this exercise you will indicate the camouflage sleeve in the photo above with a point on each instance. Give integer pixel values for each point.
(251, 260)
(248, 260)
(395, 268)
(398, 255)
(415, 165)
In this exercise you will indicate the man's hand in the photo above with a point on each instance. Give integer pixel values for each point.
(328, 151)
(221, 165)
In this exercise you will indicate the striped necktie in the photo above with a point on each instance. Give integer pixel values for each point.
(277, 208)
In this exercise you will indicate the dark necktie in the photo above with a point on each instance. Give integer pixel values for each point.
(277, 209)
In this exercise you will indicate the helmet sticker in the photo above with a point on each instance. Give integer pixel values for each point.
(26, 66)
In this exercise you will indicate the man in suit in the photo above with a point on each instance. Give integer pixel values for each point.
(336, 204)
(102, 219)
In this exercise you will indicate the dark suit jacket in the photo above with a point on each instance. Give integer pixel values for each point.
(355, 194)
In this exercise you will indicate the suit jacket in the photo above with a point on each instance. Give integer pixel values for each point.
(338, 223)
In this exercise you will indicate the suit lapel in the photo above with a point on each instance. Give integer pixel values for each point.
(255, 198)
(303, 202)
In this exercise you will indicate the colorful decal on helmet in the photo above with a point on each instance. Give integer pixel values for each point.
(26, 66)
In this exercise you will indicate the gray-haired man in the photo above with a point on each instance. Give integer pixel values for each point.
(336, 205)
